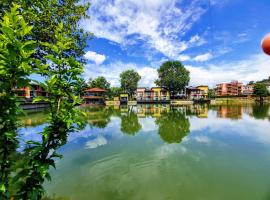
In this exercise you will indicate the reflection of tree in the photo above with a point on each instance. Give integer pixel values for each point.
(130, 124)
(173, 126)
(260, 111)
(98, 117)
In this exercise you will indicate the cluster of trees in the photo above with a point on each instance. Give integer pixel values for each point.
(172, 75)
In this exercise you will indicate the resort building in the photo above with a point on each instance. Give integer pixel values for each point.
(123, 98)
(95, 96)
(154, 94)
(233, 88)
(31, 91)
(197, 93)
(247, 89)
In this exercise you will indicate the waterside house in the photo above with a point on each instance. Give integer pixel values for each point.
(233, 88)
(31, 91)
(95, 96)
(197, 93)
(152, 95)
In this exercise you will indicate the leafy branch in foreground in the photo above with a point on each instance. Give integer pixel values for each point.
(62, 74)
(15, 66)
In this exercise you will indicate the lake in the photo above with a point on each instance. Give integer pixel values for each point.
(157, 152)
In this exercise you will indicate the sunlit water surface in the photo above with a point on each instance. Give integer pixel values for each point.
(156, 152)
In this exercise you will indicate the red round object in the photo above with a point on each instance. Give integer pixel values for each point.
(266, 44)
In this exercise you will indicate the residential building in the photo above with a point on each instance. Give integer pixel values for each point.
(247, 89)
(233, 88)
(204, 90)
(154, 94)
(95, 96)
(124, 98)
(195, 93)
(31, 91)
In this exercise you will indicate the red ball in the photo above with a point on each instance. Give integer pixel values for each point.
(266, 44)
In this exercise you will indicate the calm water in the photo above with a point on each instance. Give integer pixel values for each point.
(157, 152)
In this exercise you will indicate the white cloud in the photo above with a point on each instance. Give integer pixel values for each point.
(203, 57)
(113, 70)
(159, 24)
(255, 67)
(93, 56)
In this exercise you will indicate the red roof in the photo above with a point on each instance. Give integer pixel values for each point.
(95, 90)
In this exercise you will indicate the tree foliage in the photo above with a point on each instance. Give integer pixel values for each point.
(99, 82)
(129, 81)
(260, 90)
(173, 76)
(15, 65)
(38, 37)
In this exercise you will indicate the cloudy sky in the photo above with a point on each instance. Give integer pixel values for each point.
(217, 40)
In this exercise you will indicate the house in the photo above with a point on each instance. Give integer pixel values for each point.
(95, 96)
(195, 93)
(123, 98)
(233, 88)
(160, 94)
(247, 89)
(204, 90)
(31, 91)
(152, 95)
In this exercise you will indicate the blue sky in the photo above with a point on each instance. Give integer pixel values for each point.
(216, 43)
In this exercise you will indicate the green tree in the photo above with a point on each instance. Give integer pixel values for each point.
(80, 86)
(129, 81)
(173, 126)
(45, 16)
(211, 93)
(15, 65)
(99, 82)
(260, 90)
(173, 76)
(114, 92)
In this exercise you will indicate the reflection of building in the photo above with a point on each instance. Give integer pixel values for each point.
(196, 93)
(198, 110)
(153, 110)
(233, 88)
(31, 91)
(232, 112)
(155, 94)
(95, 96)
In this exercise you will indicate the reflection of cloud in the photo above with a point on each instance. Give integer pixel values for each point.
(246, 127)
(99, 141)
(167, 149)
(148, 124)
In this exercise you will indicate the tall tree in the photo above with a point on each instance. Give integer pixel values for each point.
(129, 81)
(99, 82)
(173, 76)
(260, 90)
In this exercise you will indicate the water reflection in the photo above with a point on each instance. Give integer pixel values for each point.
(129, 122)
(173, 126)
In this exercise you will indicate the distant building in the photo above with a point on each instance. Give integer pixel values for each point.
(197, 93)
(247, 89)
(31, 91)
(233, 88)
(154, 94)
(123, 98)
(95, 96)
